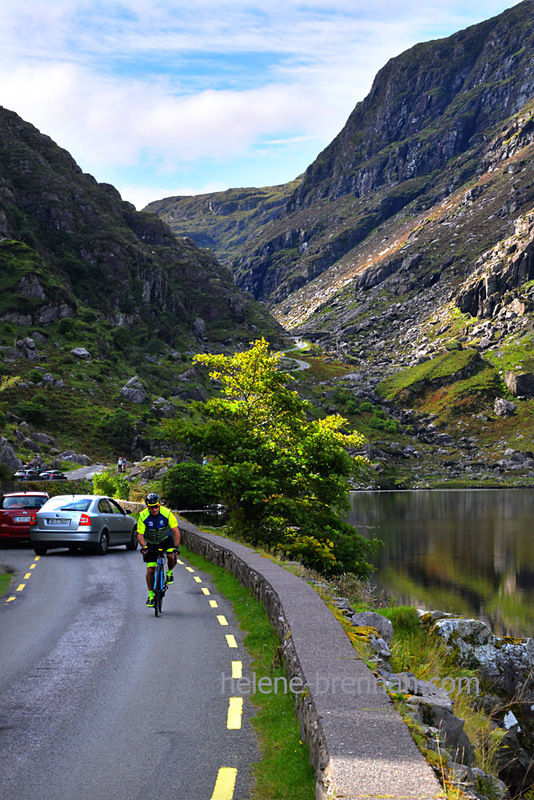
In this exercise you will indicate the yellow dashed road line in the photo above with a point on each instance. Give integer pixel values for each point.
(226, 777)
(21, 586)
(237, 669)
(225, 783)
(235, 711)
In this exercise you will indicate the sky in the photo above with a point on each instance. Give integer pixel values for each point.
(168, 97)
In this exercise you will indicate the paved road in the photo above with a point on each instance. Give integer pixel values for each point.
(79, 473)
(99, 700)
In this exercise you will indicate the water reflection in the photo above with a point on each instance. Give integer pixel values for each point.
(467, 552)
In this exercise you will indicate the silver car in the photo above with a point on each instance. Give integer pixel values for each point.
(92, 522)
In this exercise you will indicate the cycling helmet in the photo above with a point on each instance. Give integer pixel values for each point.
(152, 499)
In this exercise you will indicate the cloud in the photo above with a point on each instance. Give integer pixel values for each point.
(172, 85)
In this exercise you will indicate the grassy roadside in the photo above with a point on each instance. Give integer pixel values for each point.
(5, 580)
(284, 770)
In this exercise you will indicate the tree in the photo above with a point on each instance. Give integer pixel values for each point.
(282, 474)
(189, 485)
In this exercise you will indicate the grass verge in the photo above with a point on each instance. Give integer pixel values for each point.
(284, 770)
(5, 580)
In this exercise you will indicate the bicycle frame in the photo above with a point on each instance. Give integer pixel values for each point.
(160, 581)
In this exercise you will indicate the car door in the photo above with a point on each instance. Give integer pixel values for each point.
(106, 518)
(122, 521)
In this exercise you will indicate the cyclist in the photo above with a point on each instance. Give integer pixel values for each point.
(157, 527)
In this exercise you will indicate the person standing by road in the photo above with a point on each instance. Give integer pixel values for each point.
(157, 527)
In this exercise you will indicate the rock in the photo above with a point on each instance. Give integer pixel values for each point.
(70, 455)
(8, 457)
(133, 391)
(30, 287)
(503, 408)
(81, 352)
(164, 408)
(374, 620)
(43, 438)
(519, 383)
(515, 762)
(474, 782)
(507, 663)
(199, 327)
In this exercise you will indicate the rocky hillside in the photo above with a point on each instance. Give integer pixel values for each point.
(101, 309)
(72, 244)
(223, 221)
(419, 135)
(405, 251)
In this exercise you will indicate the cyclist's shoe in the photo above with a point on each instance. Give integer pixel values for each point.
(170, 578)
(150, 602)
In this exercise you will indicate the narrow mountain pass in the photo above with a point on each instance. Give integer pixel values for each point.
(101, 699)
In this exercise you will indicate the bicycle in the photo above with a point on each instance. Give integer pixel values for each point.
(160, 581)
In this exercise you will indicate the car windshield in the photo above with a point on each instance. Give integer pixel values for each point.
(64, 504)
(23, 502)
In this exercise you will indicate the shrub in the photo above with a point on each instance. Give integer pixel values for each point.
(112, 485)
(189, 485)
(118, 427)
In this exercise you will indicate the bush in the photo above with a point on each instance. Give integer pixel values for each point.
(111, 485)
(118, 428)
(189, 485)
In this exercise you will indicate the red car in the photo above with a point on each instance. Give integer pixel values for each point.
(16, 509)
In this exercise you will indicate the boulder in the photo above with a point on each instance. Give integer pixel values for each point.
(8, 457)
(508, 664)
(374, 620)
(133, 391)
(503, 408)
(81, 352)
(76, 458)
(520, 384)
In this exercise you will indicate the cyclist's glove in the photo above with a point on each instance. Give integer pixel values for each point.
(144, 551)
(176, 550)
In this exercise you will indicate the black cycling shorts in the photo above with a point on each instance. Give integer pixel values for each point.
(151, 556)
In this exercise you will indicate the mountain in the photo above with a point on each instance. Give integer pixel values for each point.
(88, 249)
(406, 251)
(101, 308)
(426, 130)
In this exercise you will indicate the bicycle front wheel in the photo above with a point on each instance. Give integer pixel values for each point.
(158, 590)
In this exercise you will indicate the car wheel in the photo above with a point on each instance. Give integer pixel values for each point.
(132, 544)
(102, 547)
(40, 549)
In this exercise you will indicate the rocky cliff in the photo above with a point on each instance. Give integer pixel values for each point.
(70, 242)
(420, 135)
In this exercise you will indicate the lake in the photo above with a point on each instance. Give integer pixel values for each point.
(468, 552)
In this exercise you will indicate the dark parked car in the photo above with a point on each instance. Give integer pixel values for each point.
(52, 475)
(16, 511)
(91, 522)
